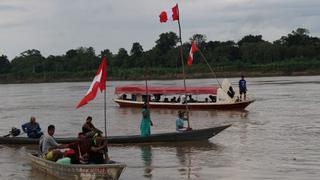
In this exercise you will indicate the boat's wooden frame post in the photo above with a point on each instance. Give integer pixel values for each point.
(146, 83)
(105, 111)
(183, 71)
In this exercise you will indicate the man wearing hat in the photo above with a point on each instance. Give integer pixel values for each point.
(180, 121)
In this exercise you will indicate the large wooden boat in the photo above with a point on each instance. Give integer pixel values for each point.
(193, 135)
(77, 171)
(169, 97)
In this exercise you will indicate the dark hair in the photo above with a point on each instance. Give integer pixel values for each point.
(51, 127)
(89, 118)
(144, 106)
(181, 113)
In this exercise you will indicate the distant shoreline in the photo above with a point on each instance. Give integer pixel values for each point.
(164, 77)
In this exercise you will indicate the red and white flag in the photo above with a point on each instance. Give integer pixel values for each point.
(99, 82)
(192, 50)
(172, 15)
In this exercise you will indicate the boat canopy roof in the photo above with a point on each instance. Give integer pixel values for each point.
(168, 90)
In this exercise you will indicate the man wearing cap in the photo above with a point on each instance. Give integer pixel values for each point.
(180, 122)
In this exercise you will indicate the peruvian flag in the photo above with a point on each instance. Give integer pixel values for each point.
(172, 14)
(99, 82)
(192, 50)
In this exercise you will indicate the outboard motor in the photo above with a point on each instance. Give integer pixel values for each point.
(15, 132)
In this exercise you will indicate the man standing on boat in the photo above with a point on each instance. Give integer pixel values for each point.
(145, 122)
(242, 87)
(32, 128)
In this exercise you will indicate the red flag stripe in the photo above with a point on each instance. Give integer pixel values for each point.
(99, 82)
(172, 15)
(192, 51)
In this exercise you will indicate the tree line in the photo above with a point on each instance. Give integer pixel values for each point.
(296, 51)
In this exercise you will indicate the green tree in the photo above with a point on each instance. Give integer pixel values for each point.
(29, 61)
(250, 39)
(5, 65)
(167, 41)
(121, 58)
(81, 59)
(136, 50)
(200, 40)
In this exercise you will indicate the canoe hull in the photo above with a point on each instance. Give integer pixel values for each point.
(221, 106)
(76, 171)
(194, 135)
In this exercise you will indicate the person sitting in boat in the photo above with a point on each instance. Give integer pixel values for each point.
(180, 122)
(213, 98)
(124, 96)
(81, 148)
(88, 128)
(173, 99)
(191, 99)
(157, 97)
(145, 121)
(32, 128)
(98, 153)
(48, 146)
(179, 99)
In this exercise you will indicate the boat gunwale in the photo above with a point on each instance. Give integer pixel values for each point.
(86, 166)
(136, 139)
(117, 100)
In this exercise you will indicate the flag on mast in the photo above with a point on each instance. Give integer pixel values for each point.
(99, 82)
(171, 15)
(192, 51)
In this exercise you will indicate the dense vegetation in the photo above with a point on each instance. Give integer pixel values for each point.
(296, 52)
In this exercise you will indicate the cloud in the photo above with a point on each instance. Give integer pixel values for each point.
(56, 26)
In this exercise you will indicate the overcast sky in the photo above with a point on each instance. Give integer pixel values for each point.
(56, 26)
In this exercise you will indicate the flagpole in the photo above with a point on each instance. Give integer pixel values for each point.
(105, 112)
(183, 71)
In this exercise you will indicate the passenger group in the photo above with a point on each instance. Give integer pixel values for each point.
(89, 148)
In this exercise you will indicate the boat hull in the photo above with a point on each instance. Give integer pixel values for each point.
(194, 135)
(77, 171)
(221, 106)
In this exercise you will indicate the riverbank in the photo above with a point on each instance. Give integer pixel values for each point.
(69, 77)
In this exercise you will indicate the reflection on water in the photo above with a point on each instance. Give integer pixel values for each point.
(184, 157)
(146, 156)
(276, 137)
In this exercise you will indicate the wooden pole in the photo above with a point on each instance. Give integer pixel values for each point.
(105, 113)
(106, 156)
(146, 83)
(183, 71)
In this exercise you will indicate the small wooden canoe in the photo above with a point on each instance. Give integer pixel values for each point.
(194, 135)
(77, 171)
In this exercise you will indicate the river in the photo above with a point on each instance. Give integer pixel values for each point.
(276, 137)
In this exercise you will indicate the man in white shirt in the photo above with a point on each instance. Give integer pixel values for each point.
(47, 143)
